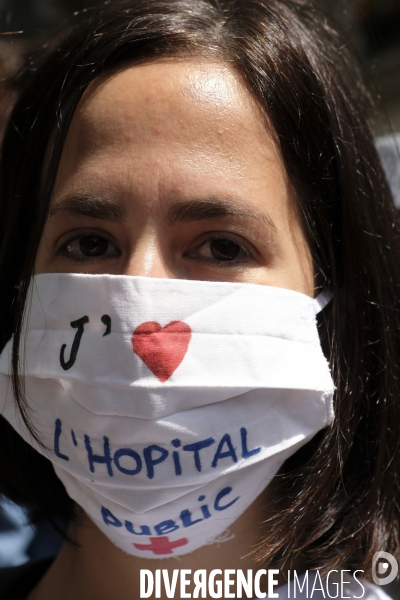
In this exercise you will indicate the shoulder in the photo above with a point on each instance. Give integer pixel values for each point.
(374, 592)
(17, 582)
(389, 152)
(355, 586)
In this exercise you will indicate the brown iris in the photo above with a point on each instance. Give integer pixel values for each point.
(93, 245)
(224, 249)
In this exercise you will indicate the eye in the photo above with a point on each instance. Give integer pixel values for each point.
(224, 249)
(90, 246)
(221, 249)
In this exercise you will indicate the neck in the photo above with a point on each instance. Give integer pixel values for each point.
(95, 569)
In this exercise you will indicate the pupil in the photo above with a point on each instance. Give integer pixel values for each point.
(224, 249)
(93, 245)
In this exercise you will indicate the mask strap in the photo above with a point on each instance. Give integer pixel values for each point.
(322, 300)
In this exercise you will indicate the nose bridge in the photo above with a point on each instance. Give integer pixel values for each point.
(150, 253)
(150, 257)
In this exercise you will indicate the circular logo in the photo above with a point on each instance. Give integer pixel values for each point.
(384, 568)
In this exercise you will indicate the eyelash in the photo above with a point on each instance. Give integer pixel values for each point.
(89, 233)
(225, 263)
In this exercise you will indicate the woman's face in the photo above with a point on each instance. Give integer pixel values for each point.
(169, 171)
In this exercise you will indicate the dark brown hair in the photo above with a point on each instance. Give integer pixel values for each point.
(342, 490)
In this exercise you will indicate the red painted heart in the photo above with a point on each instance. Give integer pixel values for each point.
(162, 349)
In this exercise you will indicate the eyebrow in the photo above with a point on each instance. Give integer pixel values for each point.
(180, 212)
(90, 206)
(196, 210)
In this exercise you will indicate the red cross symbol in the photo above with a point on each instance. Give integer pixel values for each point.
(161, 545)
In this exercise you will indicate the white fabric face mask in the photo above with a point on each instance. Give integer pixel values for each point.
(169, 405)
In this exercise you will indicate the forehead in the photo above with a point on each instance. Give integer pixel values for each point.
(193, 107)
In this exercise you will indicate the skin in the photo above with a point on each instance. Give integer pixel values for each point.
(170, 170)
